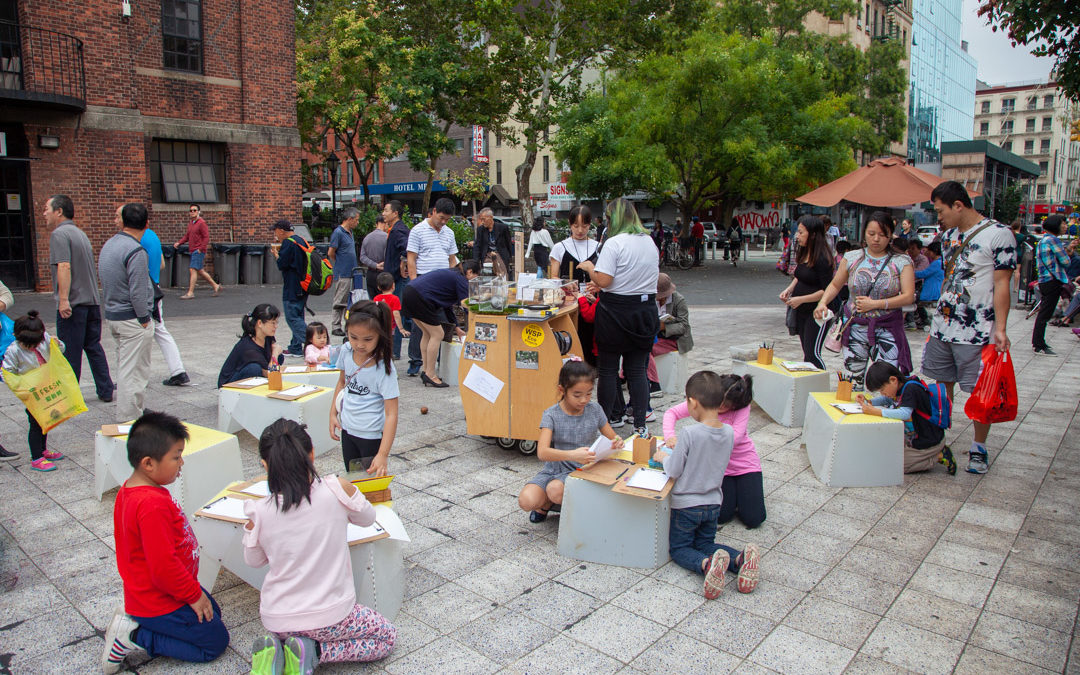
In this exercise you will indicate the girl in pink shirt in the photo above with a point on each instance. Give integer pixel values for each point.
(743, 491)
(308, 599)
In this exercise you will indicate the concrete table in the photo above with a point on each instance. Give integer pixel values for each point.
(377, 567)
(602, 526)
(782, 393)
(254, 410)
(852, 450)
(211, 457)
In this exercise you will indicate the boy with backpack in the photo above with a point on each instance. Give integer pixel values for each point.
(925, 410)
(304, 272)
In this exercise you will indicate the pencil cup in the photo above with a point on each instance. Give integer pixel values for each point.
(274, 380)
(843, 391)
(764, 356)
(643, 450)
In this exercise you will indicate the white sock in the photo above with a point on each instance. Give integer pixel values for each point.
(978, 447)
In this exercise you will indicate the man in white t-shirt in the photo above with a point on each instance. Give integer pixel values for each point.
(979, 256)
(431, 247)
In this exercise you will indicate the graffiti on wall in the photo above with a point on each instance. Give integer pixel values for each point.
(753, 219)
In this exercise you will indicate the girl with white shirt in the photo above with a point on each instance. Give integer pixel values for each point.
(575, 249)
(308, 600)
(627, 322)
(540, 245)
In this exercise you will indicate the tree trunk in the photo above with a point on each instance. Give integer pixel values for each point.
(523, 172)
(432, 163)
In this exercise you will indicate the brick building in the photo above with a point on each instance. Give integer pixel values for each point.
(166, 102)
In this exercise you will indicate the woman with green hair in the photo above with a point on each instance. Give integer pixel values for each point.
(627, 320)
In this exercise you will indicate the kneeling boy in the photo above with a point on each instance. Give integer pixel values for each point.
(166, 612)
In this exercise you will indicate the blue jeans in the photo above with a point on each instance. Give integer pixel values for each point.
(416, 360)
(294, 316)
(692, 536)
(179, 635)
(81, 332)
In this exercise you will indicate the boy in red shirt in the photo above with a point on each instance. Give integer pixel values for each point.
(385, 282)
(166, 612)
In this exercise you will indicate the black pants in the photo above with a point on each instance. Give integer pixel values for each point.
(1051, 293)
(363, 449)
(633, 366)
(81, 332)
(35, 438)
(744, 495)
(812, 336)
(372, 286)
(541, 255)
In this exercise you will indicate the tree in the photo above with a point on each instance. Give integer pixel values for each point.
(731, 117)
(469, 185)
(1051, 27)
(1006, 206)
(348, 57)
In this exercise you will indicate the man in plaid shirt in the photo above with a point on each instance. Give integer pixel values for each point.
(1051, 260)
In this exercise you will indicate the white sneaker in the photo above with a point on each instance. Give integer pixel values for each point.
(118, 642)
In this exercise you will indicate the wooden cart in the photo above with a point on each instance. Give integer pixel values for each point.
(524, 354)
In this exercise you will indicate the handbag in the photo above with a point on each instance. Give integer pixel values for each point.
(834, 340)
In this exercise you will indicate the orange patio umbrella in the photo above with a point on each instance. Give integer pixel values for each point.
(884, 182)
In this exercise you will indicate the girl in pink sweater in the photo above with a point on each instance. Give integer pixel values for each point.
(308, 599)
(743, 491)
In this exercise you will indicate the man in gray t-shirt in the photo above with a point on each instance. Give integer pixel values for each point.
(75, 287)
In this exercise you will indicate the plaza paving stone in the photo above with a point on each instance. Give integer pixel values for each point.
(969, 574)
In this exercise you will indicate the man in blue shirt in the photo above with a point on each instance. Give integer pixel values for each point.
(342, 254)
(932, 276)
(1051, 261)
(177, 375)
(292, 262)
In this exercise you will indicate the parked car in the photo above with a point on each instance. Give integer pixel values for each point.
(712, 234)
(514, 224)
(926, 233)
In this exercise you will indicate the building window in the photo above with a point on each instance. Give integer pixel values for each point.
(1048, 101)
(1029, 147)
(498, 139)
(1048, 123)
(182, 171)
(1030, 125)
(986, 106)
(459, 144)
(1007, 146)
(1008, 104)
(1044, 147)
(1044, 167)
(984, 128)
(498, 171)
(349, 173)
(547, 169)
(868, 17)
(181, 31)
(873, 30)
(1040, 191)
(1032, 102)
(1007, 127)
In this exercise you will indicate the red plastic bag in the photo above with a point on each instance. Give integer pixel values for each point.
(994, 399)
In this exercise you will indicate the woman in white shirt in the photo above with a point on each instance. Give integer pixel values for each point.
(627, 322)
(540, 245)
(575, 249)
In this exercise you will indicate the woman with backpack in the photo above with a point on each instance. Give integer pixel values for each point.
(882, 283)
(925, 411)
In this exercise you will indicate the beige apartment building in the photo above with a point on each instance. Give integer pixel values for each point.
(1031, 119)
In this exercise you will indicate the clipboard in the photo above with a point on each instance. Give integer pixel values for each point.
(604, 472)
(115, 429)
(283, 395)
(249, 383)
(234, 495)
(382, 534)
(622, 488)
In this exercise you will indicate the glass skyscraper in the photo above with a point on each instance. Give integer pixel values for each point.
(942, 101)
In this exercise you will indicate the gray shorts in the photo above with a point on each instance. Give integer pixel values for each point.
(551, 471)
(952, 362)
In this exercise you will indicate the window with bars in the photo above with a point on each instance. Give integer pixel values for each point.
(1030, 124)
(1007, 127)
(984, 128)
(1048, 123)
(498, 171)
(986, 106)
(547, 169)
(1044, 146)
(184, 171)
(181, 35)
(1029, 147)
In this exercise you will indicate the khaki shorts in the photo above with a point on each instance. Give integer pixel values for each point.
(952, 362)
(921, 460)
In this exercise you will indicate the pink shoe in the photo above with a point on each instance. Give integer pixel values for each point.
(42, 464)
(52, 454)
(1076, 332)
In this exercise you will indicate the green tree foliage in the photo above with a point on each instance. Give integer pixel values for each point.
(1006, 204)
(470, 184)
(1051, 27)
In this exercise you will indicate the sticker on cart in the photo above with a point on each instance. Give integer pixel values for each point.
(486, 332)
(475, 351)
(532, 335)
(527, 360)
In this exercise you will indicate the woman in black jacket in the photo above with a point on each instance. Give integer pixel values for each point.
(257, 348)
(813, 273)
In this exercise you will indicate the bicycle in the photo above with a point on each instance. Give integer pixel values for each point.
(677, 255)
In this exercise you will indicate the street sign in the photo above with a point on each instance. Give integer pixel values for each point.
(559, 192)
(478, 144)
(547, 206)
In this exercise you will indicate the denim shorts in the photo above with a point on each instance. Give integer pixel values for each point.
(198, 259)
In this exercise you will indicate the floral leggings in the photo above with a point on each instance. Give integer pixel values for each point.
(857, 352)
(363, 635)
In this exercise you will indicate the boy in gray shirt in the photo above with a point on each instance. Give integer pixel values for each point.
(697, 464)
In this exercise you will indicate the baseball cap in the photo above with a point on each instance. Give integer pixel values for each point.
(282, 225)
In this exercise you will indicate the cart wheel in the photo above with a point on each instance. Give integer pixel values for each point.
(506, 443)
(526, 447)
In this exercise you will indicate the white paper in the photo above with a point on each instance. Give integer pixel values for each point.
(829, 316)
(526, 294)
(483, 383)
(602, 447)
(253, 381)
(227, 507)
(259, 489)
(391, 523)
(295, 369)
(648, 479)
(848, 408)
(124, 429)
(356, 533)
(798, 365)
(299, 390)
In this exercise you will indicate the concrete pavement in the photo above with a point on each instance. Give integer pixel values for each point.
(965, 573)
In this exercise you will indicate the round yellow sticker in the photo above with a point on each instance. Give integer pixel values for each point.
(532, 334)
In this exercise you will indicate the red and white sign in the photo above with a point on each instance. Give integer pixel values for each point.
(559, 192)
(478, 144)
(547, 206)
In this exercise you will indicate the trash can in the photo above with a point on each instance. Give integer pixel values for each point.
(227, 263)
(181, 264)
(167, 253)
(251, 264)
(271, 273)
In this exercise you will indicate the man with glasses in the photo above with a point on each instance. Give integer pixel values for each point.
(197, 239)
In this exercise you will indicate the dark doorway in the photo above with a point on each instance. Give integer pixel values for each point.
(16, 244)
